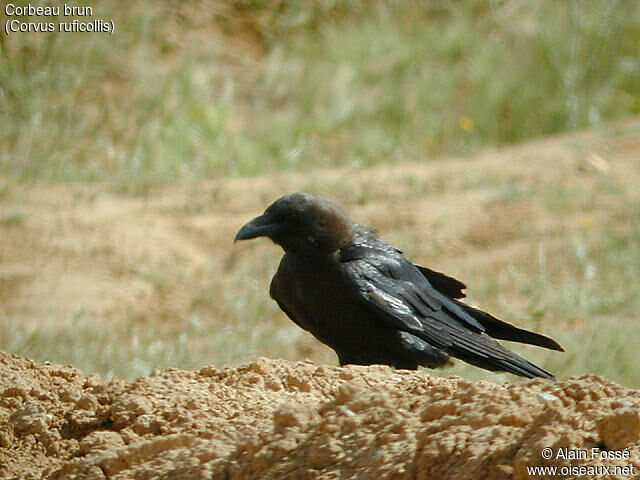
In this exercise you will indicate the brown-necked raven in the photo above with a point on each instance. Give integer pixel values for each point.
(364, 299)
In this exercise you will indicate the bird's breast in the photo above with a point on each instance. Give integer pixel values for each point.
(314, 292)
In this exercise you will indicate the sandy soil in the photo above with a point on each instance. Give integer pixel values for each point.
(274, 419)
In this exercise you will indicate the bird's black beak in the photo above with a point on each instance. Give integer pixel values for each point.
(262, 226)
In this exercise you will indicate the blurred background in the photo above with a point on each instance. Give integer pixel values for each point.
(496, 141)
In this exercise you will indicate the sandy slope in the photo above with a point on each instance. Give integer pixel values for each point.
(274, 419)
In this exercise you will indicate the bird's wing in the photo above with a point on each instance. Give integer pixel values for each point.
(405, 300)
(493, 326)
(445, 284)
(387, 280)
(449, 287)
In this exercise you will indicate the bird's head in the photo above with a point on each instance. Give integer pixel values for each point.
(302, 221)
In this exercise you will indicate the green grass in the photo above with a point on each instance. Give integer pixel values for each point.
(131, 347)
(122, 351)
(338, 84)
(14, 217)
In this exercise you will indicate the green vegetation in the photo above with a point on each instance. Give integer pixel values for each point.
(323, 83)
(128, 351)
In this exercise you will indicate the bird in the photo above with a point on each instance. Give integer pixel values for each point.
(363, 298)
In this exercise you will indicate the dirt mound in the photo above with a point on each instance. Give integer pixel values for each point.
(278, 419)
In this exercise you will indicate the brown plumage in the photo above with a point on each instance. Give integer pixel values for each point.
(364, 299)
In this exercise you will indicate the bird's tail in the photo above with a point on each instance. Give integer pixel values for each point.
(507, 361)
(505, 331)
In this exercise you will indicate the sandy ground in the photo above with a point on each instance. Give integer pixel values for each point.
(275, 419)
